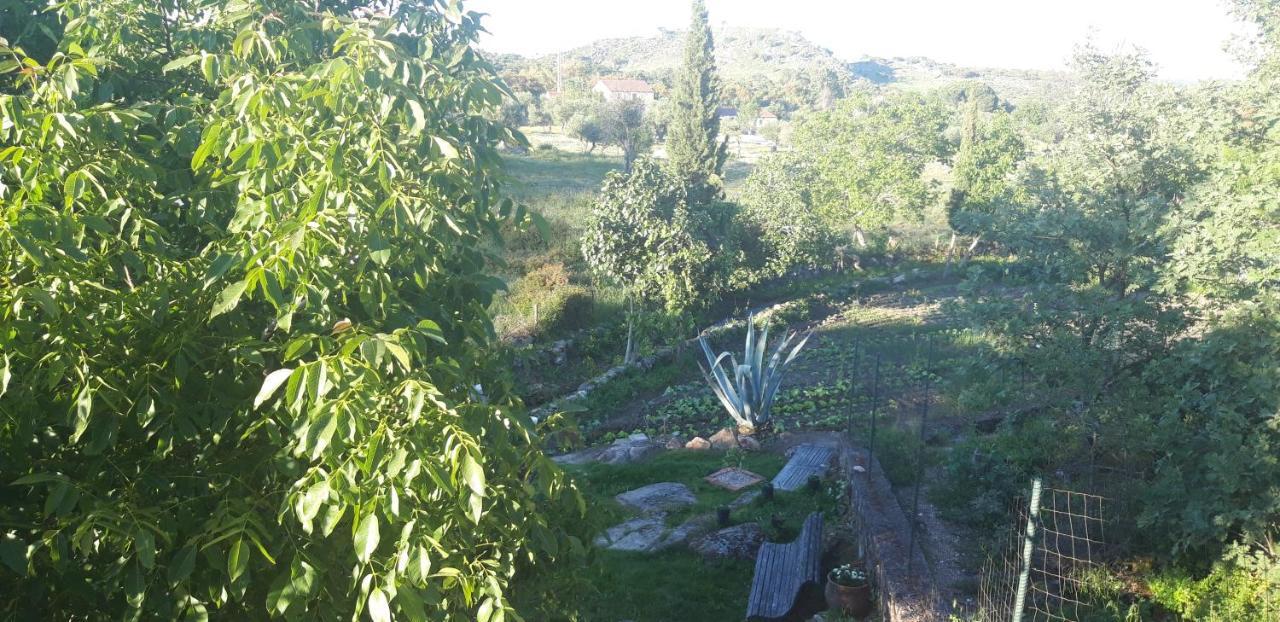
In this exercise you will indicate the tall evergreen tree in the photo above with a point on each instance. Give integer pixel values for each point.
(694, 151)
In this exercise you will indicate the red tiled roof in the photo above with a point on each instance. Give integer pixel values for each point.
(765, 114)
(626, 86)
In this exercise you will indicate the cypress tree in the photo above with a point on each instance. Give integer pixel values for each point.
(693, 149)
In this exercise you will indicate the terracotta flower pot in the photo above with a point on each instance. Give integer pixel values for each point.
(851, 600)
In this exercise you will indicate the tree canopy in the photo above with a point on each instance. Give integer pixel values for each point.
(694, 151)
(242, 314)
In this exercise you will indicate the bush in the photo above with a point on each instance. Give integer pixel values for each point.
(1227, 593)
(644, 235)
(548, 303)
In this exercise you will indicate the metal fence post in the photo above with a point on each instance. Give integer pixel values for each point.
(1028, 545)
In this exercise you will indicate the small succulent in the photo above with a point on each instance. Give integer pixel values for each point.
(849, 575)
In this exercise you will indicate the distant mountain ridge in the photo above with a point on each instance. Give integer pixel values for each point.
(768, 64)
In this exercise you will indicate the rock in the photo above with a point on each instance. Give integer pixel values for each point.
(655, 498)
(686, 531)
(857, 468)
(675, 443)
(637, 534)
(591, 454)
(698, 443)
(630, 449)
(736, 542)
(744, 499)
(725, 439)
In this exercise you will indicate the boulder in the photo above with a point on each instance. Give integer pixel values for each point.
(656, 498)
(590, 454)
(637, 534)
(686, 531)
(736, 542)
(698, 443)
(725, 439)
(650, 533)
(633, 448)
(745, 499)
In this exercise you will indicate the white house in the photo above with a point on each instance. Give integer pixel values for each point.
(615, 90)
(766, 118)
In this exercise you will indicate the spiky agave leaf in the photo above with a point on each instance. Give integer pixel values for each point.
(721, 385)
(750, 394)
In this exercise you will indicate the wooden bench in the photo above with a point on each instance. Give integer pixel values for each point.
(783, 570)
(806, 460)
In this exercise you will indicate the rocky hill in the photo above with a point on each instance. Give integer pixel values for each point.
(776, 67)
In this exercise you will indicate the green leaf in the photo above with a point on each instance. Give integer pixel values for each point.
(447, 150)
(366, 537)
(238, 559)
(485, 612)
(379, 608)
(179, 63)
(37, 478)
(84, 409)
(419, 118)
(271, 384)
(228, 299)
(310, 501)
(473, 474)
(183, 562)
(144, 543)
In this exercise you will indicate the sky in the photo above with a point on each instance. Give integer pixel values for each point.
(1186, 38)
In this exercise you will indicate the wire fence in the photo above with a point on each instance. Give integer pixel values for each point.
(1039, 573)
(1057, 539)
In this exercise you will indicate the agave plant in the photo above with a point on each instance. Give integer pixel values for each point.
(749, 394)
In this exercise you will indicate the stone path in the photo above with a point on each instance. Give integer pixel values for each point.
(633, 448)
(656, 498)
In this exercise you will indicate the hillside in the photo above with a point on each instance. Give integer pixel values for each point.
(775, 66)
(920, 73)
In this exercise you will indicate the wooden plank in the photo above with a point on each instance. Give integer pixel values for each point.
(806, 460)
(782, 570)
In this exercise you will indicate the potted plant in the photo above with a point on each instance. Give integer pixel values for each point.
(849, 591)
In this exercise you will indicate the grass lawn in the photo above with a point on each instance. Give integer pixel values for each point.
(675, 584)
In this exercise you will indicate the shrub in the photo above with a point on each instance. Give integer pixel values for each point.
(644, 236)
(547, 295)
(1228, 592)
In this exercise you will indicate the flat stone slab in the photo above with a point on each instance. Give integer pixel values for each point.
(660, 497)
(650, 533)
(633, 448)
(637, 534)
(736, 542)
(733, 479)
(806, 460)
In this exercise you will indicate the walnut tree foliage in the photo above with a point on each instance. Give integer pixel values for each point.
(244, 363)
